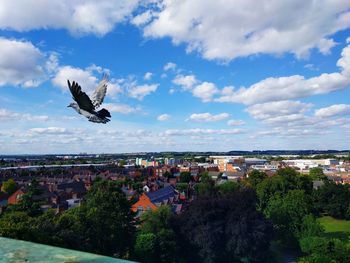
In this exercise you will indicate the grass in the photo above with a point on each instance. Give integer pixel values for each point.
(336, 228)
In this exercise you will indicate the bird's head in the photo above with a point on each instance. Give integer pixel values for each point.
(72, 105)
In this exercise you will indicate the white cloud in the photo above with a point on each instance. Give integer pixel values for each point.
(235, 122)
(6, 115)
(84, 77)
(141, 91)
(142, 19)
(49, 131)
(296, 86)
(334, 110)
(79, 17)
(208, 117)
(190, 132)
(225, 30)
(163, 117)
(267, 111)
(186, 82)
(121, 108)
(21, 63)
(169, 66)
(148, 75)
(205, 91)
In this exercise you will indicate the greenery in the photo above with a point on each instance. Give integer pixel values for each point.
(316, 173)
(185, 177)
(155, 241)
(223, 229)
(227, 221)
(336, 228)
(9, 186)
(102, 224)
(333, 199)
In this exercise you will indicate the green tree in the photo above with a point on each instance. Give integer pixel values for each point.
(102, 224)
(17, 225)
(155, 228)
(255, 177)
(9, 186)
(287, 214)
(29, 202)
(316, 173)
(223, 229)
(145, 247)
(167, 174)
(324, 250)
(185, 177)
(333, 199)
(227, 188)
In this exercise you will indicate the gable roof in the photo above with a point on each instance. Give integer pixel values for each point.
(161, 194)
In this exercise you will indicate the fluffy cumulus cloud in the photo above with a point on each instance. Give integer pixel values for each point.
(121, 108)
(281, 109)
(79, 17)
(7, 115)
(87, 79)
(229, 29)
(334, 110)
(140, 91)
(208, 117)
(185, 81)
(21, 63)
(291, 87)
(84, 77)
(148, 75)
(169, 66)
(205, 91)
(163, 117)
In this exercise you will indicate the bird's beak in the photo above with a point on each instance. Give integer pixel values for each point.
(69, 106)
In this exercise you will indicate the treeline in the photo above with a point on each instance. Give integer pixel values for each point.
(227, 222)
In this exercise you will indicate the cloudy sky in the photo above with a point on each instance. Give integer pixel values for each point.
(184, 75)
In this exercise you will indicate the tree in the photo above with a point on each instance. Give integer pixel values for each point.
(155, 241)
(223, 229)
(102, 224)
(285, 179)
(29, 202)
(17, 225)
(255, 177)
(167, 174)
(316, 173)
(333, 199)
(287, 213)
(324, 250)
(185, 177)
(9, 186)
(145, 247)
(227, 188)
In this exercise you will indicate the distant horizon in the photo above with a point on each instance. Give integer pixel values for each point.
(164, 152)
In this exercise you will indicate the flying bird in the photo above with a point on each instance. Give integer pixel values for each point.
(86, 106)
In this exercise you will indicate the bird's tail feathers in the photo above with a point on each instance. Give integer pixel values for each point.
(104, 113)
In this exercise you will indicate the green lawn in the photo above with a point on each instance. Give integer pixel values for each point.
(336, 228)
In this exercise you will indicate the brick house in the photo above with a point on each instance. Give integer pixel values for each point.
(152, 200)
(15, 197)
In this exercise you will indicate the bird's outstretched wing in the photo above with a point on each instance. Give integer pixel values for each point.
(80, 97)
(100, 92)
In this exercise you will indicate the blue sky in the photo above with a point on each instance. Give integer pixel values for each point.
(195, 75)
